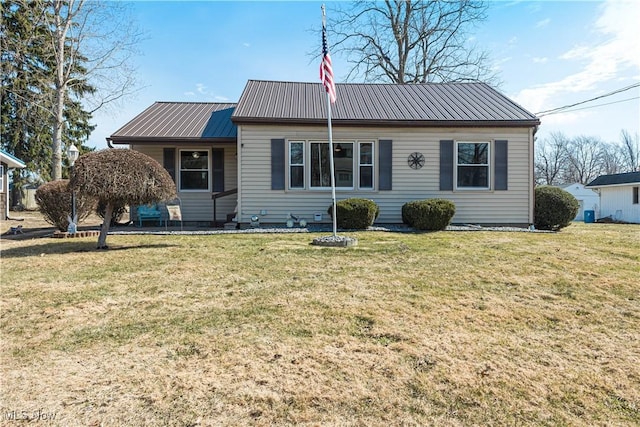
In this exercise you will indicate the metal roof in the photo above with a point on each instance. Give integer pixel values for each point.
(430, 104)
(616, 179)
(179, 121)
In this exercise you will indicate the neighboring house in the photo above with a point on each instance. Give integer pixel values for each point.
(587, 198)
(464, 142)
(7, 161)
(619, 198)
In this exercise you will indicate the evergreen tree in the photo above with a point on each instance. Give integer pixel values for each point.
(28, 94)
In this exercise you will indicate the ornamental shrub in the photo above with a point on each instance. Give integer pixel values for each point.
(54, 200)
(355, 213)
(555, 208)
(430, 214)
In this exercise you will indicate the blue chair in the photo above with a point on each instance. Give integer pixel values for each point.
(148, 212)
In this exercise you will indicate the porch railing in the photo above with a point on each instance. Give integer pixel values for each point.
(215, 198)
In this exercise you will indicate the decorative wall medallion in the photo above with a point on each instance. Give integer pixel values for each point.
(415, 160)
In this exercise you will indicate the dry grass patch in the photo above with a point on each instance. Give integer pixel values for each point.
(449, 328)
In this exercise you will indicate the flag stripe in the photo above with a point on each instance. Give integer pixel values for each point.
(326, 70)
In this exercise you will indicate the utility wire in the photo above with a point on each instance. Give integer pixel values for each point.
(560, 109)
(586, 108)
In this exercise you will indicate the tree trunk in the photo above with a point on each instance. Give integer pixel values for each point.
(56, 170)
(60, 34)
(102, 240)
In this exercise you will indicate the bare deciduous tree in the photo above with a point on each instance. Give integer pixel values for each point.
(118, 178)
(91, 41)
(630, 151)
(563, 160)
(584, 154)
(411, 41)
(551, 159)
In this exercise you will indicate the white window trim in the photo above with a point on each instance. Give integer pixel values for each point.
(488, 165)
(372, 165)
(1, 178)
(209, 171)
(303, 164)
(356, 164)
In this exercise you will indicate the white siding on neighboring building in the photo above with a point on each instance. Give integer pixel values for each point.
(617, 202)
(197, 206)
(512, 206)
(587, 198)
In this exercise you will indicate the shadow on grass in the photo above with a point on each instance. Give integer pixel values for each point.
(67, 247)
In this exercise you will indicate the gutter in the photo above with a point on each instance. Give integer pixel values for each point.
(388, 123)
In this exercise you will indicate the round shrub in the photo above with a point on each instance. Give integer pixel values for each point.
(430, 214)
(554, 208)
(355, 213)
(54, 200)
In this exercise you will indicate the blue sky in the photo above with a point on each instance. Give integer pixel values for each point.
(549, 54)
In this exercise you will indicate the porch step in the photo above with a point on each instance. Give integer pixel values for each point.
(230, 225)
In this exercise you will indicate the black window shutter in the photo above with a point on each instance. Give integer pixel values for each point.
(277, 164)
(217, 165)
(385, 161)
(169, 161)
(446, 165)
(501, 170)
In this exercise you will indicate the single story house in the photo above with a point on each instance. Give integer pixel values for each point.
(268, 155)
(619, 198)
(586, 197)
(7, 161)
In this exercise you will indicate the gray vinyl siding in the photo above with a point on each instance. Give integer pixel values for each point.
(197, 206)
(512, 206)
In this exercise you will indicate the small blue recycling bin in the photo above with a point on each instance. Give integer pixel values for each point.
(589, 216)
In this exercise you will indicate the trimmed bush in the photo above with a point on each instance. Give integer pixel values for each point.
(430, 214)
(355, 213)
(554, 208)
(54, 200)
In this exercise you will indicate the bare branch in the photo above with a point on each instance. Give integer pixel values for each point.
(410, 41)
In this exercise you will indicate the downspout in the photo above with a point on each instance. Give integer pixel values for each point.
(532, 183)
(239, 169)
(109, 143)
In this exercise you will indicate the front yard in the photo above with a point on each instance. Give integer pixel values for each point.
(447, 329)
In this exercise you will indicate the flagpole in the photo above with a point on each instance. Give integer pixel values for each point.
(331, 165)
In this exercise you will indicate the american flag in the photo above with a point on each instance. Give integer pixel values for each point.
(326, 72)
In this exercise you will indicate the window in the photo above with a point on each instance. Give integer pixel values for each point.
(194, 170)
(321, 168)
(472, 165)
(308, 165)
(636, 196)
(296, 164)
(365, 165)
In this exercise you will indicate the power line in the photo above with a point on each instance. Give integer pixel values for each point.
(560, 109)
(586, 108)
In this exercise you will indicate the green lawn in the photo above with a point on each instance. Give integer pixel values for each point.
(447, 329)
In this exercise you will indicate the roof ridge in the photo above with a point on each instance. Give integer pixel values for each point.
(374, 84)
(197, 102)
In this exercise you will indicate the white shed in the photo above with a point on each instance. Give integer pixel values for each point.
(619, 196)
(588, 199)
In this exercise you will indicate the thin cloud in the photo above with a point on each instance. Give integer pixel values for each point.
(603, 62)
(543, 23)
(543, 60)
